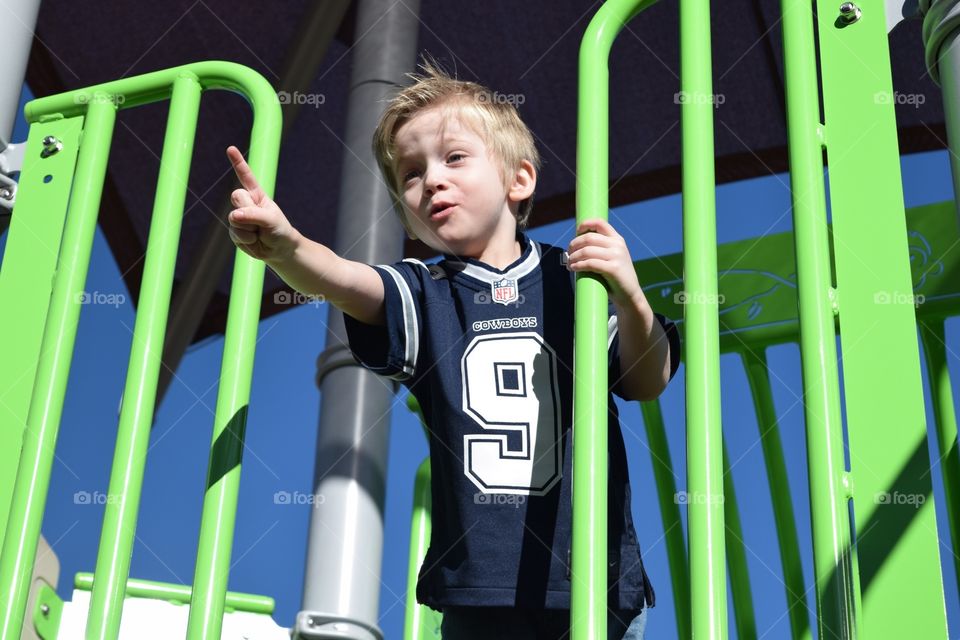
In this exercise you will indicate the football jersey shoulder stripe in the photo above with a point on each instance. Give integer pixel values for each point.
(411, 328)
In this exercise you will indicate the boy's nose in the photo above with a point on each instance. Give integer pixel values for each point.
(434, 181)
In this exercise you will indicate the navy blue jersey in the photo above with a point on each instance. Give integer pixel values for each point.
(489, 356)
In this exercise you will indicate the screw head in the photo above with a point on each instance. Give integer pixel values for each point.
(45, 610)
(850, 12)
(6, 193)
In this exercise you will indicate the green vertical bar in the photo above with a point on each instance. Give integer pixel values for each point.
(26, 282)
(934, 340)
(420, 622)
(223, 475)
(758, 376)
(828, 493)
(895, 520)
(46, 403)
(588, 609)
(708, 583)
(140, 390)
(669, 501)
(743, 614)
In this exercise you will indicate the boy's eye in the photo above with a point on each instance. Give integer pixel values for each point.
(453, 157)
(410, 175)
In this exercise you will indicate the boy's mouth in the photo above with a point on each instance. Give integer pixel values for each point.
(441, 210)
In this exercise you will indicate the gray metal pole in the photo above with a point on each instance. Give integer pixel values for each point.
(941, 26)
(342, 582)
(18, 18)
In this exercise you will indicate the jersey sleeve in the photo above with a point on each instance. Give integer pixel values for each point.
(393, 350)
(613, 348)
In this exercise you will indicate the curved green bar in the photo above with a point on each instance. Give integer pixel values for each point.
(53, 370)
(223, 475)
(933, 338)
(758, 377)
(180, 594)
(737, 559)
(140, 391)
(589, 562)
(669, 501)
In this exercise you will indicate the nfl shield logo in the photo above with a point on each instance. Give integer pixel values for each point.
(504, 291)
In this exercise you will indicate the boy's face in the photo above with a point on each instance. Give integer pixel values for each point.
(452, 187)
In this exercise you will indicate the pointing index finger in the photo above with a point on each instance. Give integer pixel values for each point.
(244, 173)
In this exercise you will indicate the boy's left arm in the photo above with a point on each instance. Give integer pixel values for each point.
(644, 347)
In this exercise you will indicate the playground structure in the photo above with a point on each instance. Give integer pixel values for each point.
(874, 288)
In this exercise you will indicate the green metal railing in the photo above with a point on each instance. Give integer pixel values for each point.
(94, 110)
(704, 457)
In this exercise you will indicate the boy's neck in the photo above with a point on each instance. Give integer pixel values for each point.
(501, 257)
(502, 250)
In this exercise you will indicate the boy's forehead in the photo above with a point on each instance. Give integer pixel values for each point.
(434, 126)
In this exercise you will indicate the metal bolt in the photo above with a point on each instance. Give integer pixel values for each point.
(51, 145)
(6, 193)
(849, 12)
(45, 610)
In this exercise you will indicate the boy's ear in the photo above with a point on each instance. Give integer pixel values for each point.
(524, 182)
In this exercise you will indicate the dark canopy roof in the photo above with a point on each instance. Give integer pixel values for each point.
(527, 49)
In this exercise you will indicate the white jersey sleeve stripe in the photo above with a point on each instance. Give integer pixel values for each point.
(411, 327)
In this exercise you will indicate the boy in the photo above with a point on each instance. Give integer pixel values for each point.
(484, 340)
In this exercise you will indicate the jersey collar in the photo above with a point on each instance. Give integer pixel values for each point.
(528, 261)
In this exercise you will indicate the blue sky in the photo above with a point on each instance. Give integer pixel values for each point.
(270, 541)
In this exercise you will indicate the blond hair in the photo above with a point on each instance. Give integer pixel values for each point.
(496, 121)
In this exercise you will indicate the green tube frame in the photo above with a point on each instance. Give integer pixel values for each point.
(99, 104)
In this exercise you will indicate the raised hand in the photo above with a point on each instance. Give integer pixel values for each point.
(257, 225)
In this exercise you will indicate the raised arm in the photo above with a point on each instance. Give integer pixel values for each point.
(260, 229)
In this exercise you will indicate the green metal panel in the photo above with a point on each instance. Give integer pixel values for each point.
(933, 337)
(46, 402)
(895, 520)
(47, 612)
(26, 282)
